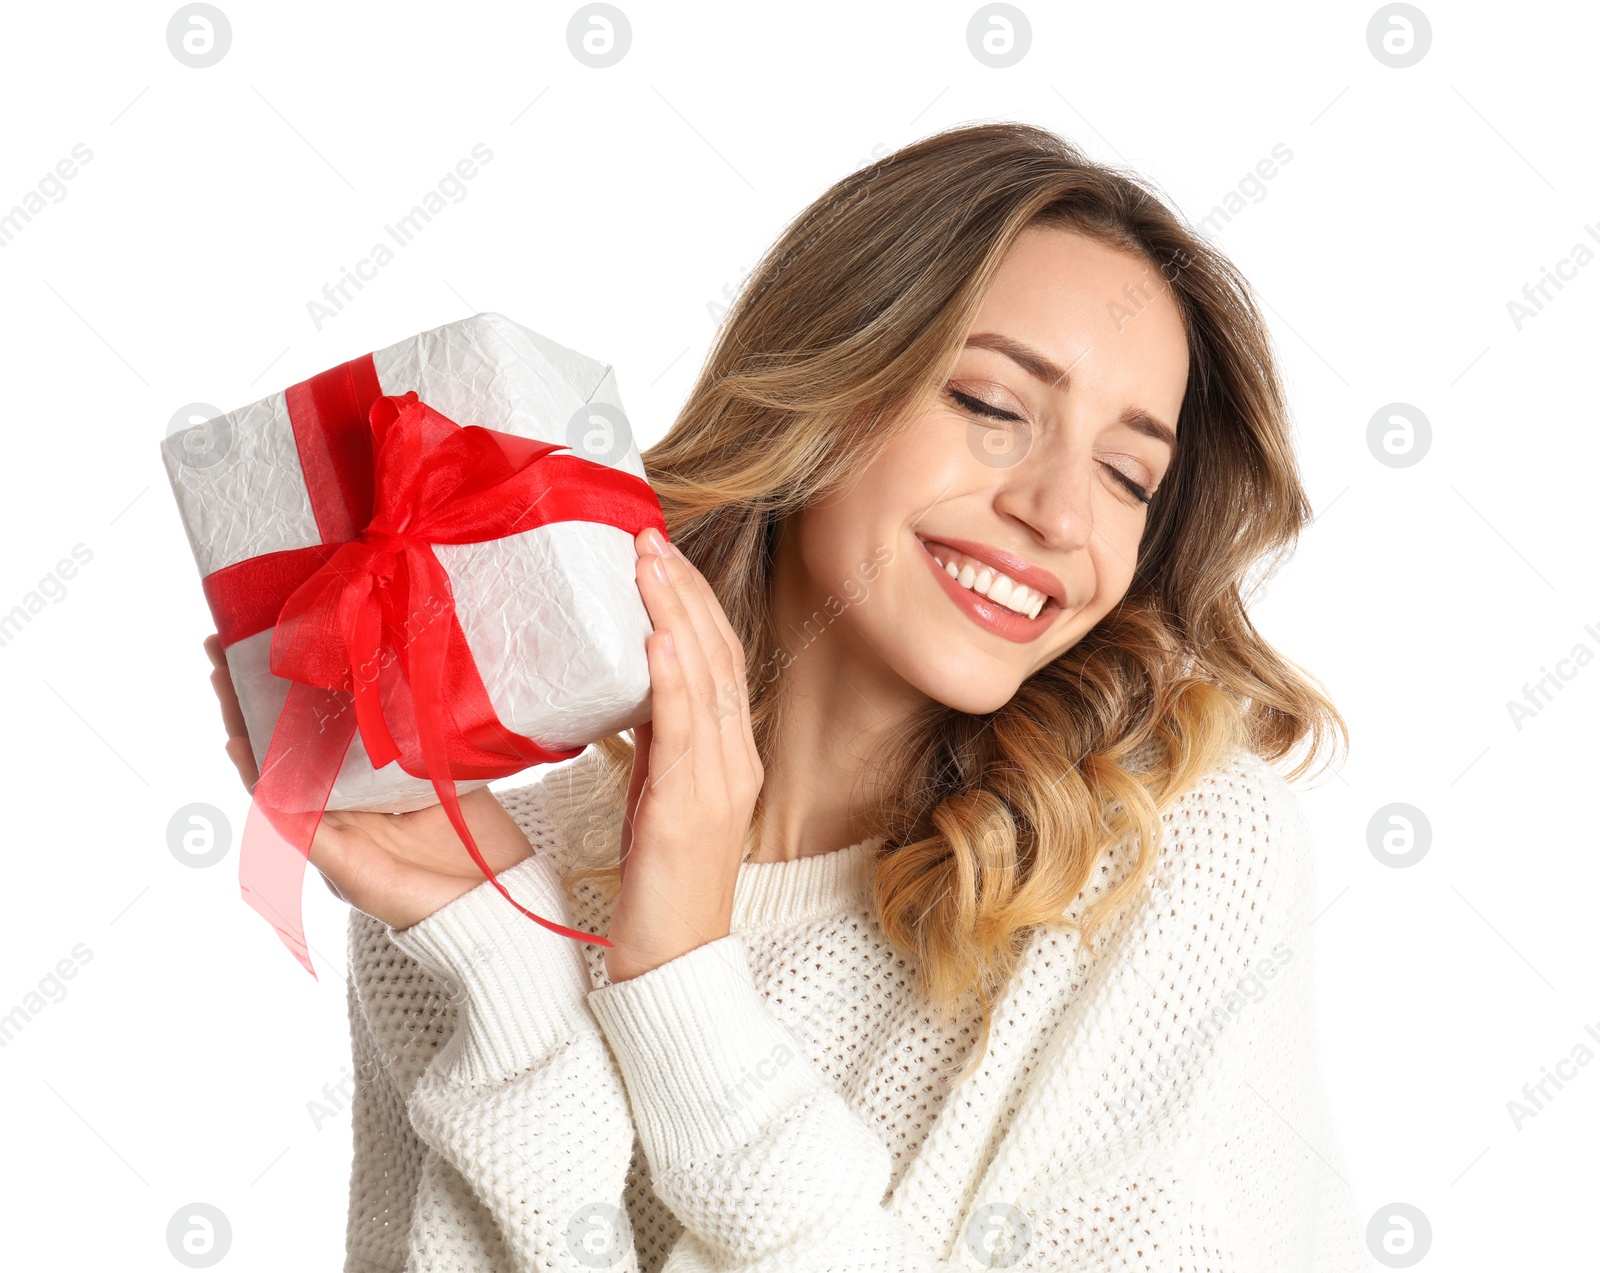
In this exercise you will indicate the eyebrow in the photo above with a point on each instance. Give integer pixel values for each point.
(1053, 377)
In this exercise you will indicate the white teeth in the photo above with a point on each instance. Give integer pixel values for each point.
(999, 588)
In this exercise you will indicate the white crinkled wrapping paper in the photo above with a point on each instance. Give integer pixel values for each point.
(553, 616)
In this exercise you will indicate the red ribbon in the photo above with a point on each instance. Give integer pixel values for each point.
(366, 620)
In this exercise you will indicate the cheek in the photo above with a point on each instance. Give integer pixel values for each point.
(1115, 558)
(829, 536)
(854, 532)
(936, 452)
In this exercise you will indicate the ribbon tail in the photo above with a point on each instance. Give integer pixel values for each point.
(427, 687)
(363, 639)
(303, 760)
(452, 809)
(271, 880)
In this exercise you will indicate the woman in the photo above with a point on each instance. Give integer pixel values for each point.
(962, 505)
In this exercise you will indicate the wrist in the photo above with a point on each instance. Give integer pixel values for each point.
(624, 962)
(451, 890)
(519, 987)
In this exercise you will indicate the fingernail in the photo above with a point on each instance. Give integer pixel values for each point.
(656, 540)
(666, 643)
(659, 569)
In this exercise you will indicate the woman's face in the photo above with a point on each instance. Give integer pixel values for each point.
(1032, 463)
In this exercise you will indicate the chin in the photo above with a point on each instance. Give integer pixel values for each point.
(974, 689)
(963, 699)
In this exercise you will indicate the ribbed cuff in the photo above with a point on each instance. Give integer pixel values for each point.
(520, 988)
(706, 1064)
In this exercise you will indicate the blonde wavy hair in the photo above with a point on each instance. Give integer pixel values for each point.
(852, 318)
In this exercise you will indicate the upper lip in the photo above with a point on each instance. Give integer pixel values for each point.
(1017, 568)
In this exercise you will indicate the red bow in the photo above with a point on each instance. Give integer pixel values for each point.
(367, 619)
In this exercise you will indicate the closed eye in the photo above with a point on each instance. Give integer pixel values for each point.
(989, 411)
(979, 407)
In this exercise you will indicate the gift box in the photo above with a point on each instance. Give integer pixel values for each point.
(421, 565)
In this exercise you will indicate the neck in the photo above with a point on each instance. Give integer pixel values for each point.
(840, 707)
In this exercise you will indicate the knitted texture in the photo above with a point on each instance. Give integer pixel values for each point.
(779, 1099)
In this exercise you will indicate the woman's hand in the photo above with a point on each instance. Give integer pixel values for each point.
(695, 776)
(397, 867)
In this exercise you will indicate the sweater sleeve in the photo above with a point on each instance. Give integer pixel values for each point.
(764, 1164)
(387, 1156)
(524, 1104)
(1271, 1190)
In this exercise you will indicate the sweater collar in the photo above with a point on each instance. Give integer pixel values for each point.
(774, 894)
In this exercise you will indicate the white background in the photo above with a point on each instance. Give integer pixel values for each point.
(622, 204)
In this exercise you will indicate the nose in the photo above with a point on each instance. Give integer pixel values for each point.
(1049, 492)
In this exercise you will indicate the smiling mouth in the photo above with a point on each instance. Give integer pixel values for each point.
(994, 586)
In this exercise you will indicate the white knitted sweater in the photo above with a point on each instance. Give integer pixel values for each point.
(778, 1099)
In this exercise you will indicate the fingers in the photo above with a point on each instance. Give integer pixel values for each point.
(238, 744)
(719, 630)
(703, 738)
(244, 760)
(703, 748)
(222, 686)
(712, 660)
(669, 613)
(733, 693)
(672, 723)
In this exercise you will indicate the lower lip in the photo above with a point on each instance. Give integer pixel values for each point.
(990, 615)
